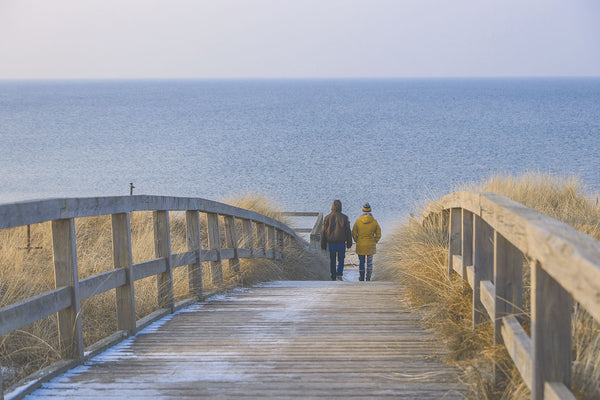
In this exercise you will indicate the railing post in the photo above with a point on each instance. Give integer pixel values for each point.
(261, 240)
(551, 308)
(231, 242)
(66, 274)
(467, 241)
(508, 285)
(194, 243)
(162, 249)
(125, 295)
(214, 243)
(248, 236)
(454, 237)
(483, 260)
(280, 243)
(271, 240)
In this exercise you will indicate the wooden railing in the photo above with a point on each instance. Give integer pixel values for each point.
(315, 231)
(490, 236)
(65, 300)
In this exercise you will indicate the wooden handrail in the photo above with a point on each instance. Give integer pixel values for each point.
(315, 231)
(489, 236)
(271, 236)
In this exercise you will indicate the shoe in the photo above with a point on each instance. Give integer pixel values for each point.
(339, 278)
(369, 272)
(361, 276)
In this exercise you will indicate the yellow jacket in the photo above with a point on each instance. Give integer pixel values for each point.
(366, 233)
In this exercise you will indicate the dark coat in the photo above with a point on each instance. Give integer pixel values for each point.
(336, 228)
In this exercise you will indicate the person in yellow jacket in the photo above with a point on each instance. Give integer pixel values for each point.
(366, 233)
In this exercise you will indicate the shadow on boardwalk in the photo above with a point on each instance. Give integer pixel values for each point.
(277, 340)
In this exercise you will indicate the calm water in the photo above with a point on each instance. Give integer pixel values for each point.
(301, 142)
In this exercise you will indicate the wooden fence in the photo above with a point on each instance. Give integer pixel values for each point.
(260, 237)
(490, 237)
(315, 231)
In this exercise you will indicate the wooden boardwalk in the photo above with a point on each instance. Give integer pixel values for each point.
(278, 340)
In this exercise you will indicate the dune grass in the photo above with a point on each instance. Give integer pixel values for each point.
(416, 255)
(27, 273)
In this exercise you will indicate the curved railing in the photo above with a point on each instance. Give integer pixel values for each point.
(489, 236)
(261, 236)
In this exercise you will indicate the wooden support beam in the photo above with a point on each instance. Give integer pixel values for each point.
(467, 241)
(194, 243)
(454, 237)
(162, 249)
(248, 235)
(66, 274)
(125, 295)
(214, 243)
(270, 241)
(261, 239)
(231, 242)
(551, 308)
(483, 259)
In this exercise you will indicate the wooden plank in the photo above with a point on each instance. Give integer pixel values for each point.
(210, 255)
(231, 242)
(66, 274)
(18, 315)
(148, 268)
(471, 275)
(483, 259)
(182, 259)
(227, 254)
(457, 264)
(299, 214)
(508, 278)
(248, 236)
(518, 345)
(101, 283)
(270, 245)
(214, 243)
(122, 260)
(33, 212)
(245, 253)
(486, 293)
(162, 249)
(467, 241)
(194, 244)
(261, 240)
(454, 237)
(571, 257)
(551, 308)
(279, 340)
(557, 391)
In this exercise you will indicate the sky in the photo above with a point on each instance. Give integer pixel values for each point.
(123, 39)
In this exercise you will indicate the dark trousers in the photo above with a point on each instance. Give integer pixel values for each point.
(340, 253)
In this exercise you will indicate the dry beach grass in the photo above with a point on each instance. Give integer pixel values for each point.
(416, 255)
(27, 273)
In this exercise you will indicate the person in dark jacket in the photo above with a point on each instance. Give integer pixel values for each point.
(337, 236)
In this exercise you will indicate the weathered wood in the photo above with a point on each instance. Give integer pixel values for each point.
(66, 274)
(149, 268)
(231, 242)
(454, 237)
(557, 391)
(270, 246)
(162, 249)
(571, 257)
(467, 241)
(551, 308)
(248, 236)
(185, 258)
(508, 278)
(261, 240)
(471, 276)
(33, 212)
(483, 262)
(486, 294)
(518, 345)
(214, 243)
(101, 283)
(194, 244)
(125, 294)
(18, 315)
(457, 265)
(279, 340)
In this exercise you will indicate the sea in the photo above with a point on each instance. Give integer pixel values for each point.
(395, 143)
